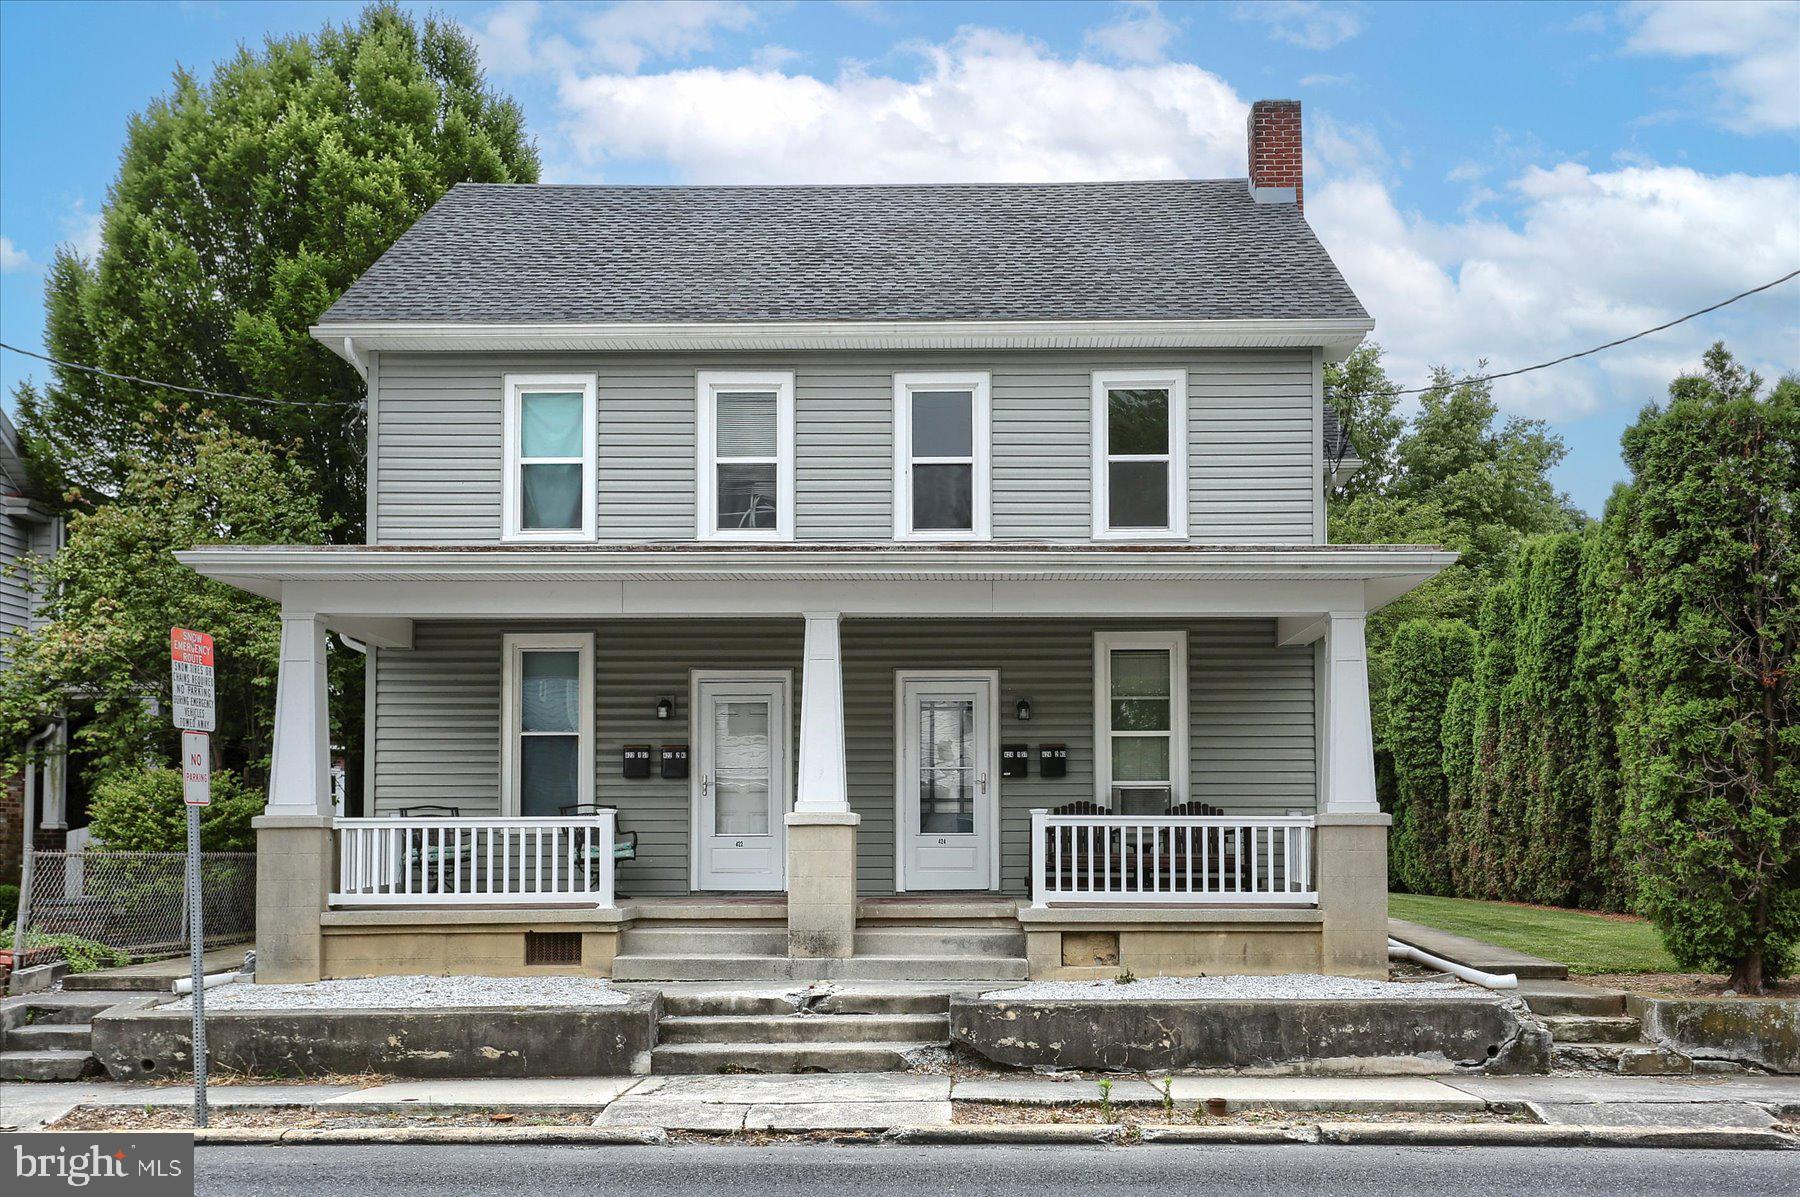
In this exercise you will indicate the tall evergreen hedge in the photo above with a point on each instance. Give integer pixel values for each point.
(1426, 658)
(1549, 797)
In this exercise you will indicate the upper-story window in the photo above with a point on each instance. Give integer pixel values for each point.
(941, 456)
(746, 456)
(550, 432)
(1140, 454)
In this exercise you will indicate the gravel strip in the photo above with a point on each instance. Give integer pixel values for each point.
(411, 993)
(1295, 987)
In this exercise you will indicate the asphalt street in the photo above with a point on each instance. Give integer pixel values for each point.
(1166, 1171)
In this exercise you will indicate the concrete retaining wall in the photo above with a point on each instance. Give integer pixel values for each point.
(1367, 1036)
(1764, 1032)
(568, 1041)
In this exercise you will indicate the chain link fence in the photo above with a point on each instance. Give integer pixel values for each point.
(134, 903)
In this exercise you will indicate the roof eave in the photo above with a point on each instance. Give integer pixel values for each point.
(1336, 335)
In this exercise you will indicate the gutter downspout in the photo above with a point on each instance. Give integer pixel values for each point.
(1401, 951)
(26, 839)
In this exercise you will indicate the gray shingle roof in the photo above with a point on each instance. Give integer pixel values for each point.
(499, 253)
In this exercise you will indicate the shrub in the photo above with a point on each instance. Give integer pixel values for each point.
(9, 903)
(143, 812)
(83, 955)
(1427, 657)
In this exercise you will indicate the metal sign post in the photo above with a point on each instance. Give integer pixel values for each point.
(191, 664)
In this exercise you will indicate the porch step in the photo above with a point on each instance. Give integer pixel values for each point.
(683, 1003)
(51, 1036)
(1570, 997)
(710, 941)
(47, 1065)
(782, 968)
(941, 941)
(781, 1057)
(1593, 1028)
(772, 1029)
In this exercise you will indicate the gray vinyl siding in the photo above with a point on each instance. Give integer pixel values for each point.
(1251, 468)
(15, 586)
(1250, 712)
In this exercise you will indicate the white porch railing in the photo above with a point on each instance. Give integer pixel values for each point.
(424, 861)
(1190, 860)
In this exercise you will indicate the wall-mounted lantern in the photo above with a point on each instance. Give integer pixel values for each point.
(1024, 710)
(665, 708)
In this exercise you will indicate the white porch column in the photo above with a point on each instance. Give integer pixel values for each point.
(821, 829)
(822, 776)
(1348, 745)
(295, 856)
(300, 772)
(1351, 832)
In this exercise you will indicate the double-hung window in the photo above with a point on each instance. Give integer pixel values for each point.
(1140, 721)
(1140, 454)
(745, 467)
(549, 445)
(941, 456)
(547, 755)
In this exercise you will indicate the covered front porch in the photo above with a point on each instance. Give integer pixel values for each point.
(1154, 758)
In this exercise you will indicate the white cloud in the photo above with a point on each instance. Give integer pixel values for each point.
(1755, 46)
(1585, 256)
(1326, 80)
(82, 229)
(1305, 23)
(517, 36)
(985, 106)
(773, 57)
(14, 260)
(1139, 33)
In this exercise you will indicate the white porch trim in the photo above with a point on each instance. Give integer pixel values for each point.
(1347, 749)
(824, 786)
(300, 765)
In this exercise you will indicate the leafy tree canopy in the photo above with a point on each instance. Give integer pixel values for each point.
(115, 589)
(243, 206)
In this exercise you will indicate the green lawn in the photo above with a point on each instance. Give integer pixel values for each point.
(1587, 943)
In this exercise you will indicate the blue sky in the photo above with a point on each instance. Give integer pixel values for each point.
(1498, 181)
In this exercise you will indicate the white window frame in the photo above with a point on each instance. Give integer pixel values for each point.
(512, 486)
(708, 383)
(1175, 644)
(1174, 380)
(515, 646)
(981, 522)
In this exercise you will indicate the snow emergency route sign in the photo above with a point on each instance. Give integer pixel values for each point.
(191, 659)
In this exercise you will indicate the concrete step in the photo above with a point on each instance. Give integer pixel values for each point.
(1593, 1028)
(704, 941)
(1626, 1059)
(678, 1003)
(69, 1007)
(51, 1036)
(683, 1003)
(940, 941)
(805, 1028)
(781, 1058)
(47, 1065)
(1570, 997)
(856, 968)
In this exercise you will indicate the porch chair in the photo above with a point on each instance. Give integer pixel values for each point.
(423, 857)
(625, 843)
(1171, 854)
(1076, 857)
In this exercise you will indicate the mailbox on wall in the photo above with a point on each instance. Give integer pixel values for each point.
(1053, 760)
(675, 761)
(1015, 760)
(637, 760)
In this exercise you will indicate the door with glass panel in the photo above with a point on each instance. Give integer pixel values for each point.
(740, 781)
(948, 791)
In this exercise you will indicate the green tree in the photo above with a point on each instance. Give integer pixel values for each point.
(1709, 529)
(1494, 822)
(143, 811)
(242, 207)
(115, 589)
(1429, 657)
(1364, 398)
(1459, 788)
(1597, 681)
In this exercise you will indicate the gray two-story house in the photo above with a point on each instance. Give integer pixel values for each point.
(771, 581)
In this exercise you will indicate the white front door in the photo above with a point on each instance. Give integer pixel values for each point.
(948, 780)
(740, 781)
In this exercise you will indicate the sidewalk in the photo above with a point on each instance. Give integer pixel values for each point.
(884, 1101)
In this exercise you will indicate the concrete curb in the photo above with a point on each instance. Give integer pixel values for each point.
(1438, 1134)
(1001, 1133)
(620, 1136)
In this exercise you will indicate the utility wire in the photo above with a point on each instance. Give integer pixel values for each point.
(1569, 357)
(170, 386)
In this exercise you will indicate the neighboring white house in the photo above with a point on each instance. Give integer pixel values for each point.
(28, 533)
(955, 553)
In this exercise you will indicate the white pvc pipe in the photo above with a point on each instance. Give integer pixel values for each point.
(1402, 951)
(211, 981)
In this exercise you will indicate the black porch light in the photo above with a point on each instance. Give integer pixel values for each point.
(1024, 710)
(665, 708)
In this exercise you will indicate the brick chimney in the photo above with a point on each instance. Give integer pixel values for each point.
(1276, 162)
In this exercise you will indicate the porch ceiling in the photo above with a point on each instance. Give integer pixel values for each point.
(1023, 579)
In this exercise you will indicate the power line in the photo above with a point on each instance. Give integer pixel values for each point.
(171, 386)
(1569, 357)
